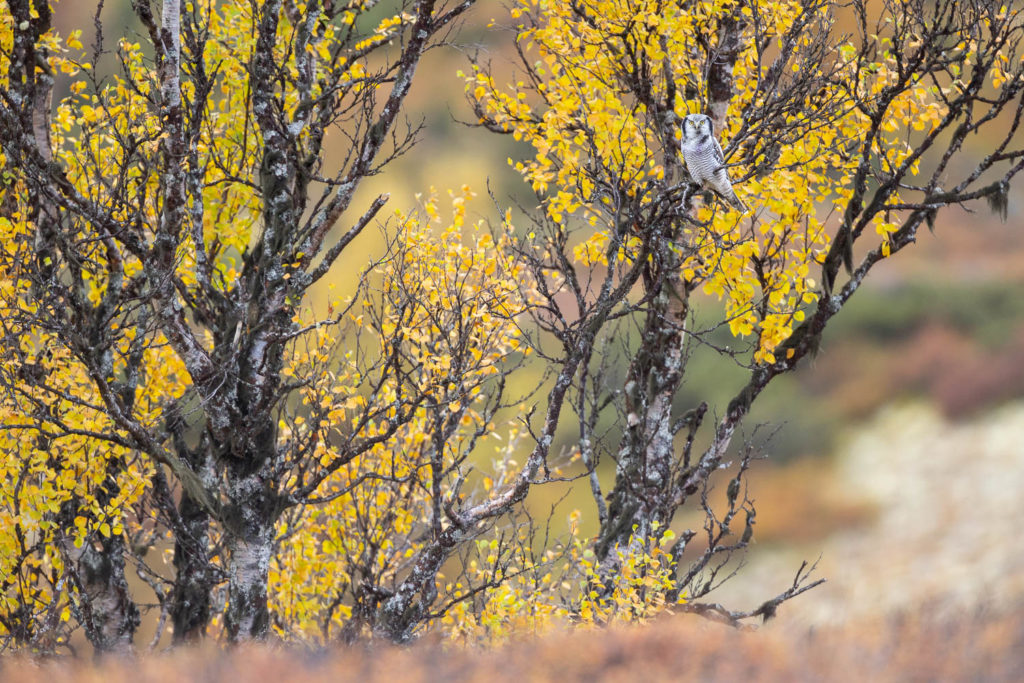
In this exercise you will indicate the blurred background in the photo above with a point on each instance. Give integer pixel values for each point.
(898, 456)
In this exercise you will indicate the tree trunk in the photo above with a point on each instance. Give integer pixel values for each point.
(190, 600)
(247, 616)
(400, 613)
(112, 617)
(249, 530)
(106, 609)
(643, 490)
(107, 612)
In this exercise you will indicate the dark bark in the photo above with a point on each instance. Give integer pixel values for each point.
(405, 609)
(107, 612)
(190, 598)
(106, 609)
(642, 497)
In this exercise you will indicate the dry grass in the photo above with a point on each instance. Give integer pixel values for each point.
(684, 648)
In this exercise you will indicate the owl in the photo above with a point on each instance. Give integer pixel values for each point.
(704, 160)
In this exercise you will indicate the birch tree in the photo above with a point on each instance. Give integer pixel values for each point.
(321, 474)
(842, 126)
(160, 229)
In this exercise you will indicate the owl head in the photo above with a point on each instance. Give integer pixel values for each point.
(697, 124)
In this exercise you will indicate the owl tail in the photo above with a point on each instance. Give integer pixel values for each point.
(736, 202)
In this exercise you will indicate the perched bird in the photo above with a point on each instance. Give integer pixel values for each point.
(704, 159)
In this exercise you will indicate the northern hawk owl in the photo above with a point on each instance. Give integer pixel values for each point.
(704, 159)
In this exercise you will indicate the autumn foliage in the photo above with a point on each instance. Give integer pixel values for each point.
(180, 403)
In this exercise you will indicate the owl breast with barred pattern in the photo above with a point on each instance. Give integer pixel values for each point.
(704, 159)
